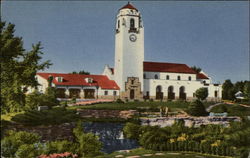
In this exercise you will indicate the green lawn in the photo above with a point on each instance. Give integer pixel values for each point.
(232, 109)
(141, 152)
(140, 106)
(56, 115)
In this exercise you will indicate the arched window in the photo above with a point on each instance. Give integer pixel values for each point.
(182, 89)
(132, 23)
(178, 77)
(158, 89)
(118, 24)
(156, 76)
(167, 77)
(215, 94)
(189, 78)
(170, 89)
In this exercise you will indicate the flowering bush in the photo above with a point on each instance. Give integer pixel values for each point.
(55, 155)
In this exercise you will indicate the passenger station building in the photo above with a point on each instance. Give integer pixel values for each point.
(132, 77)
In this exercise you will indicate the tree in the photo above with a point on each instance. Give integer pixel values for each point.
(88, 143)
(247, 90)
(15, 142)
(201, 93)
(196, 108)
(228, 90)
(18, 68)
(82, 72)
(196, 69)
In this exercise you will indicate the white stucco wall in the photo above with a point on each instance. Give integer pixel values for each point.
(190, 87)
(107, 72)
(172, 76)
(43, 84)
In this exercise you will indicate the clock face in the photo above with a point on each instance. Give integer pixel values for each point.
(132, 37)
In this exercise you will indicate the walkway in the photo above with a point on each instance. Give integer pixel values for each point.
(92, 101)
(211, 106)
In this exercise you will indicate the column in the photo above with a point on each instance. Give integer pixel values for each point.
(82, 93)
(66, 93)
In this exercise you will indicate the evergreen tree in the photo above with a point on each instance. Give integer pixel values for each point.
(228, 90)
(196, 69)
(18, 68)
(196, 108)
(201, 93)
(247, 90)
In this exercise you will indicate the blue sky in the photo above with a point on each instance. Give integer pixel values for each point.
(80, 35)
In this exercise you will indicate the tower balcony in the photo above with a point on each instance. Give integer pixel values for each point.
(134, 30)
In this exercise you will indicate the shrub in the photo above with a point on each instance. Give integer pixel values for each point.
(35, 99)
(131, 130)
(19, 142)
(119, 101)
(151, 100)
(154, 140)
(196, 108)
(201, 93)
(60, 147)
(46, 117)
(88, 144)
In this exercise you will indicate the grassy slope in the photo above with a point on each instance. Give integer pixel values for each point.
(140, 106)
(232, 109)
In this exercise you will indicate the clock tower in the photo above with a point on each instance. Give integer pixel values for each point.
(129, 52)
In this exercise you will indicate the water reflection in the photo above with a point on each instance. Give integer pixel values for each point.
(111, 136)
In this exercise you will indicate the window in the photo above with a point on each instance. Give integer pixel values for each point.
(189, 78)
(167, 77)
(156, 76)
(178, 77)
(215, 94)
(118, 24)
(144, 76)
(105, 92)
(132, 81)
(114, 93)
(60, 79)
(89, 80)
(132, 23)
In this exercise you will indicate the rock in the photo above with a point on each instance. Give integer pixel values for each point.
(159, 154)
(136, 156)
(119, 156)
(147, 155)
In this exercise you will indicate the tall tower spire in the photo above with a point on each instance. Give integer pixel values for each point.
(129, 52)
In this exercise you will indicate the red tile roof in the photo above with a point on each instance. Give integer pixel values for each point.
(201, 76)
(167, 67)
(128, 6)
(79, 80)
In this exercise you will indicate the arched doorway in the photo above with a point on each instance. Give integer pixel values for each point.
(171, 94)
(159, 93)
(182, 94)
(74, 93)
(60, 92)
(89, 93)
(132, 94)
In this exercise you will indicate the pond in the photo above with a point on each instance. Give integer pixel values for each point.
(111, 135)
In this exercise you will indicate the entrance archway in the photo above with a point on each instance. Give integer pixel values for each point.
(89, 93)
(60, 92)
(132, 94)
(159, 93)
(74, 93)
(182, 94)
(171, 94)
